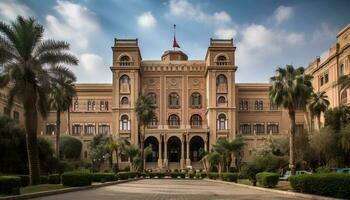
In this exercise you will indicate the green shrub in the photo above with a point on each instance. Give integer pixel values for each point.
(213, 175)
(174, 174)
(231, 177)
(267, 179)
(182, 174)
(70, 147)
(159, 174)
(204, 175)
(152, 174)
(324, 169)
(103, 177)
(124, 175)
(134, 174)
(24, 180)
(144, 174)
(44, 179)
(327, 184)
(191, 175)
(54, 179)
(198, 175)
(75, 179)
(10, 185)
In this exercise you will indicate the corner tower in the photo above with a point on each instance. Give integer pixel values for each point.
(220, 84)
(126, 88)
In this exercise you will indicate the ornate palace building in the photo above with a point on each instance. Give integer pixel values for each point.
(197, 102)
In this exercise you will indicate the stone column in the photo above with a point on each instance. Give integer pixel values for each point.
(165, 162)
(182, 163)
(188, 161)
(160, 160)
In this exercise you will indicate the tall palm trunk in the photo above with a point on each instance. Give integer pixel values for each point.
(319, 121)
(31, 122)
(58, 132)
(291, 141)
(68, 116)
(142, 147)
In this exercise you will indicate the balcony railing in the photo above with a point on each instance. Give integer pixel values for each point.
(221, 63)
(125, 63)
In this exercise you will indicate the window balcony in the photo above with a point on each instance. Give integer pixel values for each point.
(223, 63)
(125, 63)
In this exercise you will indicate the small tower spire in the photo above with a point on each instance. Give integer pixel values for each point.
(175, 44)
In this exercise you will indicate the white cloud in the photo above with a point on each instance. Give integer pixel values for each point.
(10, 9)
(226, 33)
(184, 9)
(90, 62)
(146, 20)
(324, 33)
(283, 13)
(260, 42)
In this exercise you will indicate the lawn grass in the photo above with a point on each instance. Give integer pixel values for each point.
(40, 188)
(282, 185)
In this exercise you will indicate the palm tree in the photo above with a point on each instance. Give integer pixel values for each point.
(61, 96)
(145, 112)
(25, 58)
(291, 88)
(318, 104)
(113, 146)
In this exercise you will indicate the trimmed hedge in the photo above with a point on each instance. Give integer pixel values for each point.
(134, 174)
(54, 179)
(174, 174)
(267, 179)
(327, 184)
(213, 175)
(10, 185)
(231, 177)
(123, 175)
(103, 177)
(182, 174)
(75, 179)
(191, 175)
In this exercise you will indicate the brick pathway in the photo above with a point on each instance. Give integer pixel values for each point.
(154, 189)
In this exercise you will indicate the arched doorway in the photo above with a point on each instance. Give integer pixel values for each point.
(174, 149)
(153, 143)
(196, 148)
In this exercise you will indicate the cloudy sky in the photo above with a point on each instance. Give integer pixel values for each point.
(266, 33)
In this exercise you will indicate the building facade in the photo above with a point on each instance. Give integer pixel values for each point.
(197, 102)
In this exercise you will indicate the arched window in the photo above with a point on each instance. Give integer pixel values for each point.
(125, 101)
(221, 84)
(221, 122)
(196, 121)
(124, 61)
(196, 99)
(153, 123)
(221, 60)
(221, 100)
(344, 97)
(174, 99)
(243, 105)
(153, 96)
(124, 123)
(174, 121)
(124, 84)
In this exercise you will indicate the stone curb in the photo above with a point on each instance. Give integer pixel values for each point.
(64, 190)
(294, 194)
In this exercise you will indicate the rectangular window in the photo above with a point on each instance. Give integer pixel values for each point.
(321, 80)
(103, 129)
(259, 128)
(104, 105)
(259, 105)
(16, 115)
(77, 129)
(326, 78)
(272, 128)
(50, 129)
(245, 129)
(91, 105)
(75, 105)
(243, 105)
(90, 129)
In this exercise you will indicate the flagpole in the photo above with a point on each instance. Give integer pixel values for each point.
(174, 35)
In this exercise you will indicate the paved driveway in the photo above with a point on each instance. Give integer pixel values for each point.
(157, 189)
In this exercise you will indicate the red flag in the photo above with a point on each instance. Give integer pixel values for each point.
(175, 44)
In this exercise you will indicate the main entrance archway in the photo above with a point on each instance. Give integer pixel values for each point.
(196, 148)
(153, 143)
(174, 149)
